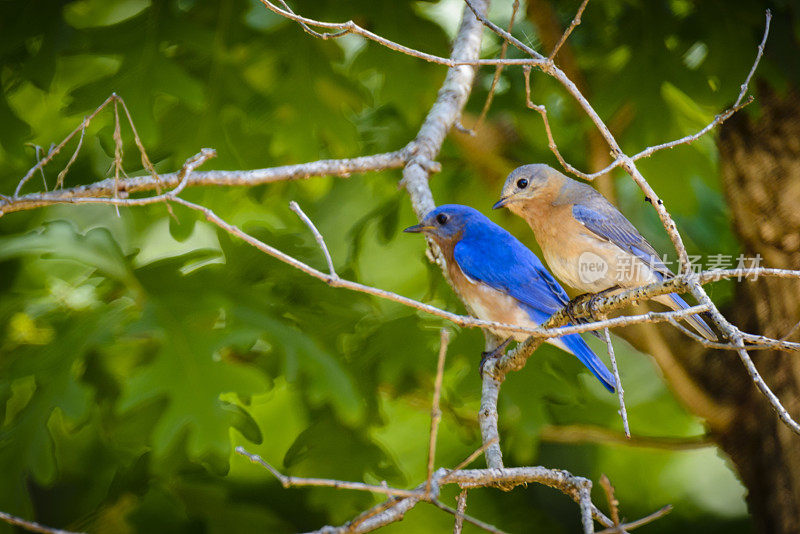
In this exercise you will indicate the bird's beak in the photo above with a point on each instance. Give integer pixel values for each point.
(418, 228)
(502, 202)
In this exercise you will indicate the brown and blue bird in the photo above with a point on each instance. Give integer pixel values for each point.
(587, 243)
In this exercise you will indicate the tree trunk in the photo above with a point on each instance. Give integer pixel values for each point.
(760, 166)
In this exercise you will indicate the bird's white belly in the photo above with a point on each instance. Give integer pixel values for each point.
(489, 304)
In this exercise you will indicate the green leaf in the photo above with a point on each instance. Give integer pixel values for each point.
(59, 239)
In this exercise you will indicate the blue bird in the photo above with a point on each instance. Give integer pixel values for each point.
(586, 241)
(501, 280)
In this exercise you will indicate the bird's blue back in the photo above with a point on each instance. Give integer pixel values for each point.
(488, 253)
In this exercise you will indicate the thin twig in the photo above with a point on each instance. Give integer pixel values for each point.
(575, 22)
(551, 142)
(37, 150)
(497, 72)
(32, 526)
(791, 331)
(623, 412)
(289, 481)
(472, 457)
(736, 337)
(469, 519)
(613, 503)
(436, 413)
(595, 434)
(461, 507)
(295, 207)
(353, 524)
(54, 151)
(323, 36)
(117, 152)
(753, 342)
(65, 170)
(146, 163)
(506, 36)
(759, 54)
(774, 402)
(639, 522)
(344, 28)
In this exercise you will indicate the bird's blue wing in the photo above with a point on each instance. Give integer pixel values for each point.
(606, 222)
(490, 255)
(503, 263)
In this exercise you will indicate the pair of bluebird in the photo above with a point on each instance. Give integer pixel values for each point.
(586, 241)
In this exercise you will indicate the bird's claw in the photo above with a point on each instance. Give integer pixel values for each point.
(589, 302)
(491, 354)
(586, 301)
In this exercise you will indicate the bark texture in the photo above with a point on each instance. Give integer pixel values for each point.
(760, 167)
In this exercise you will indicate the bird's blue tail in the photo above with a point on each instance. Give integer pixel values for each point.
(577, 346)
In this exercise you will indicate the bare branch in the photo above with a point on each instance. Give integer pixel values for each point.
(509, 477)
(117, 152)
(476, 7)
(623, 412)
(65, 170)
(578, 488)
(37, 150)
(335, 167)
(478, 523)
(472, 457)
(790, 332)
(575, 22)
(344, 28)
(624, 161)
(759, 54)
(323, 36)
(774, 402)
(289, 481)
(436, 413)
(585, 502)
(754, 342)
(488, 417)
(31, 526)
(54, 151)
(613, 503)
(595, 434)
(461, 507)
(639, 522)
(497, 71)
(551, 142)
(736, 337)
(295, 207)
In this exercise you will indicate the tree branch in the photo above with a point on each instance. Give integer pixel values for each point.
(572, 434)
(623, 412)
(32, 526)
(334, 167)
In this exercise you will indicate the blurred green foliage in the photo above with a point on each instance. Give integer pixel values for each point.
(137, 351)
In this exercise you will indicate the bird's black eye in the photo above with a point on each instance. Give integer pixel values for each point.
(441, 218)
(522, 183)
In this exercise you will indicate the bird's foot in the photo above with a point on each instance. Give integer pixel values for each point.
(583, 302)
(588, 302)
(491, 354)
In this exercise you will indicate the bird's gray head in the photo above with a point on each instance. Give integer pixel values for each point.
(528, 182)
(447, 222)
